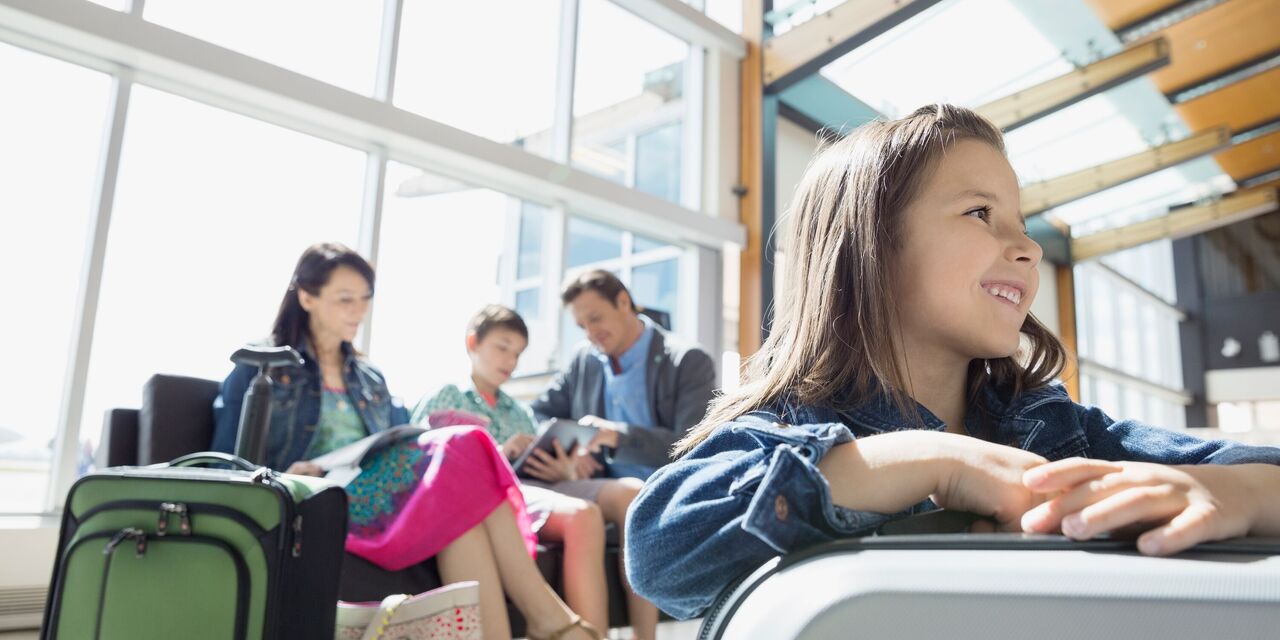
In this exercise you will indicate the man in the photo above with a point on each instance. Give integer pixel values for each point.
(641, 386)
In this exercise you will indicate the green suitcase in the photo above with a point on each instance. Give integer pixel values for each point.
(185, 551)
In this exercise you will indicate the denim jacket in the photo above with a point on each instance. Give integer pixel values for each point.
(752, 490)
(295, 405)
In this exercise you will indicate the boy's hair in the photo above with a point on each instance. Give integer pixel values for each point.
(834, 340)
(598, 280)
(496, 316)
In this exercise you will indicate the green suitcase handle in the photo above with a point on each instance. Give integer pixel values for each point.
(209, 458)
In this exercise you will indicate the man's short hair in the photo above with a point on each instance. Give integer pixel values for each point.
(598, 280)
(496, 316)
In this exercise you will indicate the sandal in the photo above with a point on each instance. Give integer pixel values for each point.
(576, 623)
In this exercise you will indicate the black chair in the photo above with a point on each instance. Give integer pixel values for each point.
(176, 418)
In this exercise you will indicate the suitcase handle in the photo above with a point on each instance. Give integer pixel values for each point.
(206, 458)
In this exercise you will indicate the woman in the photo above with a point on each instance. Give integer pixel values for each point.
(459, 500)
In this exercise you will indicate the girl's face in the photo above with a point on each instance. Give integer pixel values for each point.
(340, 306)
(494, 358)
(966, 274)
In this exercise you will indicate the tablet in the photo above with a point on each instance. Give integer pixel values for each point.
(569, 433)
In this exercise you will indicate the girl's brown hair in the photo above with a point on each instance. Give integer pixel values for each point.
(835, 341)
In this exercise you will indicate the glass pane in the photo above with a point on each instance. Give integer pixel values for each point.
(656, 286)
(335, 41)
(1131, 354)
(484, 67)
(529, 258)
(51, 122)
(212, 211)
(727, 12)
(425, 299)
(592, 242)
(642, 244)
(658, 162)
(630, 79)
(527, 304)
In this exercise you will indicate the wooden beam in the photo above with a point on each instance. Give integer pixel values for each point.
(1041, 196)
(1219, 40)
(1179, 223)
(1015, 110)
(802, 51)
(1066, 280)
(751, 178)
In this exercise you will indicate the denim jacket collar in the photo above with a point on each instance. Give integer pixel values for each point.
(997, 415)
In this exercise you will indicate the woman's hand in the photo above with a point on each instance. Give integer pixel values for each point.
(549, 468)
(516, 444)
(586, 464)
(986, 478)
(304, 468)
(1171, 507)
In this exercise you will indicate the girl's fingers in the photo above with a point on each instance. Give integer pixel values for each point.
(1047, 516)
(1186, 529)
(1062, 475)
(1131, 506)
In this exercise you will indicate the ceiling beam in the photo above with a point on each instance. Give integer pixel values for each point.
(1042, 196)
(1178, 223)
(1017, 109)
(811, 45)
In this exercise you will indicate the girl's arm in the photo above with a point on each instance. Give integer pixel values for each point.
(755, 489)
(890, 472)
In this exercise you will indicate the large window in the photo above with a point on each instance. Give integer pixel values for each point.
(441, 248)
(331, 40)
(223, 169)
(485, 67)
(1131, 363)
(212, 211)
(628, 100)
(648, 267)
(48, 166)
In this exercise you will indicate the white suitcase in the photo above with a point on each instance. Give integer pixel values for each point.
(996, 586)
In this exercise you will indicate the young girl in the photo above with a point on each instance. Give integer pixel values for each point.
(904, 371)
(448, 495)
(567, 504)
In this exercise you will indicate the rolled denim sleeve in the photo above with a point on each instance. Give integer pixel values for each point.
(749, 492)
(1131, 440)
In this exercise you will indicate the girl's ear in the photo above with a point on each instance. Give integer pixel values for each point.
(306, 300)
(472, 342)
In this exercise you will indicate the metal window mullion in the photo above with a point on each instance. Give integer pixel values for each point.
(554, 250)
(566, 72)
(375, 178)
(693, 138)
(389, 50)
(66, 452)
(375, 172)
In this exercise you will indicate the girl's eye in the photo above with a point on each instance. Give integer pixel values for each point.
(981, 213)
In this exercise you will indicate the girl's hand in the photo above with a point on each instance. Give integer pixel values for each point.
(1173, 507)
(304, 468)
(548, 468)
(986, 478)
(516, 444)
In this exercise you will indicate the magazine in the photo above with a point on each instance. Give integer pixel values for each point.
(343, 464)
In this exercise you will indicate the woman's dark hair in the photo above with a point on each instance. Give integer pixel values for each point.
(312, 273)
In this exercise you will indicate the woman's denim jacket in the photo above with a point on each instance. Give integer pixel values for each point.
(752, 489)
(295, 405)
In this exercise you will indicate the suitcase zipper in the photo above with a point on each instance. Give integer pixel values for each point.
(185, 510)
